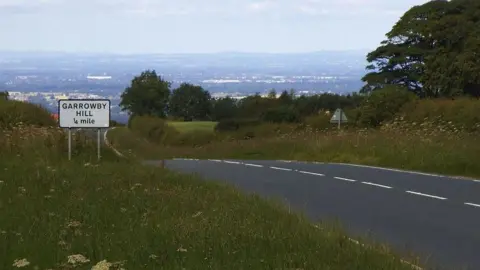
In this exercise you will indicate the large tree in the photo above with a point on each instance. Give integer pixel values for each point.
(148, 94)
(191, 102)
(224, 108)
(431, 50)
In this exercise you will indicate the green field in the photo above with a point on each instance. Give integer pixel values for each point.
(193, 126)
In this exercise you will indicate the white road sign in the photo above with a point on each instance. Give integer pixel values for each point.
(339, 117)
(84, 113)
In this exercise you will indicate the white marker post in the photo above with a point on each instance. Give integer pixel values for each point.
(84, 113)
(339, 117)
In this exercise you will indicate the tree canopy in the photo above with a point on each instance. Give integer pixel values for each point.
(191, 102)
(147, 94)
(432, 50)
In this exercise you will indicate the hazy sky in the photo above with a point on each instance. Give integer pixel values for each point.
(166, 26)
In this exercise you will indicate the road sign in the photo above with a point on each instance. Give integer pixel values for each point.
(84, 113)
(338, 117)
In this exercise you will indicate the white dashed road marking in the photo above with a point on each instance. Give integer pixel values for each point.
(345, 179)
(377, 185)
(282, 169)
(472, 204)
(231, 162)
(311, 173)
(426, 195)
(252, 165)
(336, 177)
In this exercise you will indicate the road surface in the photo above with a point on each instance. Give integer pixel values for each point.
(436, 217)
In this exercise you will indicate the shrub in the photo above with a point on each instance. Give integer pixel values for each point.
(13, 113)
(196, 138)
(152, 128)
(382, 105)
(281, 114)
(461, 114)
(235, 124)
(114, 123)
(319, 121)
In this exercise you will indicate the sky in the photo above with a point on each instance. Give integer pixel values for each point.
(193, 26)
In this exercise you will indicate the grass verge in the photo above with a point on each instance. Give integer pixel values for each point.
(192, 126)
(436, 152)
(58, 214)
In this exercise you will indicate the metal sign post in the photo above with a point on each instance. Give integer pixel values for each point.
(69, 144)
(98, 144)
(84, 114)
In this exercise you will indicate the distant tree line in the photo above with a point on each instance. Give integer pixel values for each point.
(149, 94)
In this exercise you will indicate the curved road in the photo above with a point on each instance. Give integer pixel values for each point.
(436, 217)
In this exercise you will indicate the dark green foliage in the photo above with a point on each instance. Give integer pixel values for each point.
(281, 114)
(383, 104)
(148, 94)
(432, 50)
(235, 124)
(224, 108)
(4, 95)
(14, 113)
(190, 102)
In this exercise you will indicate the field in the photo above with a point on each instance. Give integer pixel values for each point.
(81, 214)
(193, 126)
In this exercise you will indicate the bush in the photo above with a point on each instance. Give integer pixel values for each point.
(382, 105)
(281, 114)
(235, 124)
(461, 114)
(320, 121)
(114, 123)
(195, 138)
(13, 112)
(152, 128)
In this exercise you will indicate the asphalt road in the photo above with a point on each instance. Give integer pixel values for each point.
(436, 217)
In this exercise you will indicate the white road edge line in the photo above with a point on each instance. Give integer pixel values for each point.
(416, 267)
(311, 173)
(377, 185)
(472, 204)
(215, 160)
(425, 195)
(345, 179)
(108, 144)
(231, 162)
(386, 169)
(252, 165)
(278, 168)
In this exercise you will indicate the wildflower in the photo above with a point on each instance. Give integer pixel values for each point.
(73, 224)
(77, 258)
(102, 265)
(21, 263)
(197, 214)
(180, 249)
